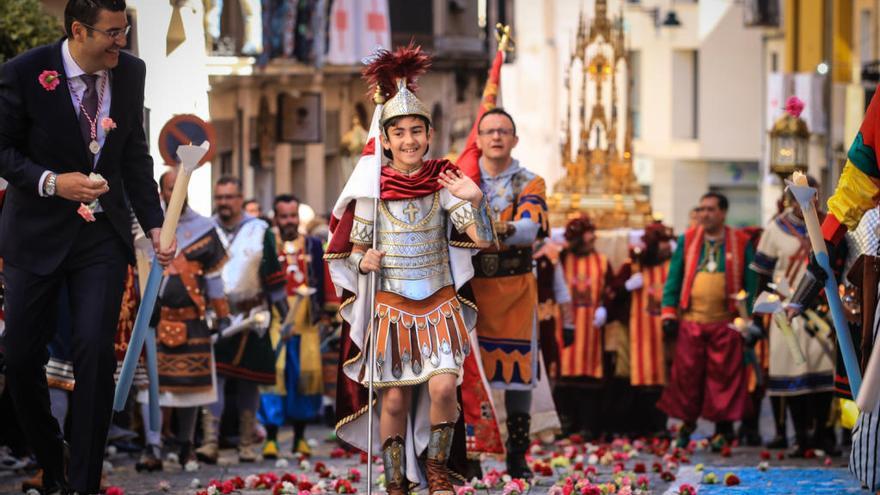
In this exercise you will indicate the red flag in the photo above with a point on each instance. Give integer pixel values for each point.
(468, 160)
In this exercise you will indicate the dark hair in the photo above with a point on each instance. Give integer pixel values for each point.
(498, 111)
(388, 154)
(229, 179)
(723, 204)
(285, 198)
(249, 201)
(86, 11)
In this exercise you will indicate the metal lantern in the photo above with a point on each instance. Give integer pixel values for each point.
(789, 141)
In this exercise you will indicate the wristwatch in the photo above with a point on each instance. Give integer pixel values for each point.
(49, 184)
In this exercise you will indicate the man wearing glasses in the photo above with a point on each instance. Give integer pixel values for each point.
(252, 278)
(61, 227)
(504, 285)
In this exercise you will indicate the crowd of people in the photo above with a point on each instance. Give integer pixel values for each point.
(488, 328)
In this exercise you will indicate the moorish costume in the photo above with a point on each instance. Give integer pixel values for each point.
(708, 378)
(296, 396)
(252, 278)
(782, 256)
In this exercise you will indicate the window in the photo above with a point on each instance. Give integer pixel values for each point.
(866, 35)
(412, 19)
(685, 94)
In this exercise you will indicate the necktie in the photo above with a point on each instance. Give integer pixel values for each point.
(90, 107)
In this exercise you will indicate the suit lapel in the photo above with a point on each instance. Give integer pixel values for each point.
(61, 101)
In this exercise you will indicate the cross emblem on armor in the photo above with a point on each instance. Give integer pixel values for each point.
(410, 211)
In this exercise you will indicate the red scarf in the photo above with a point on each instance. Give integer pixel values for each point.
(734, 251)
(393, 186)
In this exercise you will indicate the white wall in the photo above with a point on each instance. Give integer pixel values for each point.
(176, 83)
(731, 75)
(531, 87)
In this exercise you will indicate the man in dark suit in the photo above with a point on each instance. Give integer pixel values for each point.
(67, 110)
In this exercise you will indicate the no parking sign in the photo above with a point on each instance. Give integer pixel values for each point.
(185, 129)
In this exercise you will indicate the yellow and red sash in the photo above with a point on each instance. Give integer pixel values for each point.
(647, 364)
(585, 277)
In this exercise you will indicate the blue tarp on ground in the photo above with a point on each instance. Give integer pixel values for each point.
(783, 481)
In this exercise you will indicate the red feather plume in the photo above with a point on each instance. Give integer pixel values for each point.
(388, 67)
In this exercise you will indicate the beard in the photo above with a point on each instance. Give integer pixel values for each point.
(289, 232)
(225, 213)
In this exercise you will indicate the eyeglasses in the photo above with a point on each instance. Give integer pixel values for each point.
(500, 131)
(115, 34)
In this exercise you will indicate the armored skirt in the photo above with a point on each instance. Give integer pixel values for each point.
(418, 339)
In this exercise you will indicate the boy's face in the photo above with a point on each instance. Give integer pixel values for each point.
(408, 141)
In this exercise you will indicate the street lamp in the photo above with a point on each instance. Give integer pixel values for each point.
(789, 141)
(671, 20)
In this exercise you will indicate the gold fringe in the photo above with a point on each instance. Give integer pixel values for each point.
(463, 244)
(377, 385)
(467, 302)
(336, 256)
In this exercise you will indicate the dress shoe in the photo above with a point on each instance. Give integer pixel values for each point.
(150, 460)
(777, 443)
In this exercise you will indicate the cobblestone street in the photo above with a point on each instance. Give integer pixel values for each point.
(819, 475)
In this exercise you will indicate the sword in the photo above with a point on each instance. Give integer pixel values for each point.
(768, 303)
(804, 195)
(302, 292)
(257, 321)
(190, 158)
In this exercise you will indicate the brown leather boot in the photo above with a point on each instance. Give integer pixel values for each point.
(247, 438)
(210, 449)
(393, 457)
(439, 446)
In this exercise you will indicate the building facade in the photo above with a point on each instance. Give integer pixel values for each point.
(282, 87)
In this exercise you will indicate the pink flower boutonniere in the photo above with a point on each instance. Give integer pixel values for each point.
(49, 80)
(108, 124)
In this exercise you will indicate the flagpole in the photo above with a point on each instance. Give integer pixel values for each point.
(379, 100)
